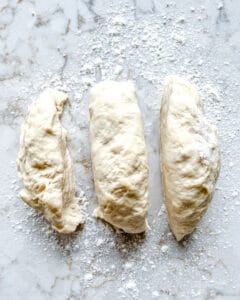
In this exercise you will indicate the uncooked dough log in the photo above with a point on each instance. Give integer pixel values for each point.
(119, 157)
(44, 163)
(190, 156)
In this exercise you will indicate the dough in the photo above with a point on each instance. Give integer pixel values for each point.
(190, 156)
(44, 163)
(119, 156)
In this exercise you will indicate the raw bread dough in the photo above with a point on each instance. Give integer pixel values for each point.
(119, 157)
(190, 156)
(44, 163)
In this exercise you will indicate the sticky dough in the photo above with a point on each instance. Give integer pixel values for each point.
(190, 156)
(119, 157)
(44, 163)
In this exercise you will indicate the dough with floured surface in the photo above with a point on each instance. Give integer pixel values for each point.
(119, 157)
(44, 163)
(190, 156)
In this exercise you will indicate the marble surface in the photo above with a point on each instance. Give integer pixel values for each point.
(70, 45)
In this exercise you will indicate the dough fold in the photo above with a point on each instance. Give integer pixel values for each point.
(45, 166)
(190, 156)
(119, 156)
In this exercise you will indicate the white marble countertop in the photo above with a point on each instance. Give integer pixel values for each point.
(72, 44)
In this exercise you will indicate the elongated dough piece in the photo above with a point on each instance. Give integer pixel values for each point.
(190, 156)
(119, 156)
(44, 163)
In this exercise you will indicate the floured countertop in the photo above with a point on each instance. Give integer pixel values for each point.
(71, 45)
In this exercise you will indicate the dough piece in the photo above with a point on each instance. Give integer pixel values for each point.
(119, 156)
(190, 156)
(44, 163)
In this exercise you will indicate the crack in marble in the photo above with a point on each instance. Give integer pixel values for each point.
(67, 29)
(212, 293)
(13, 12)
(90, 5)
(80, 20)
(11, 112)
(97, 286)
(168, 293)
(65, 61)
(39, 22)
(43, 291)
(222, 14)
